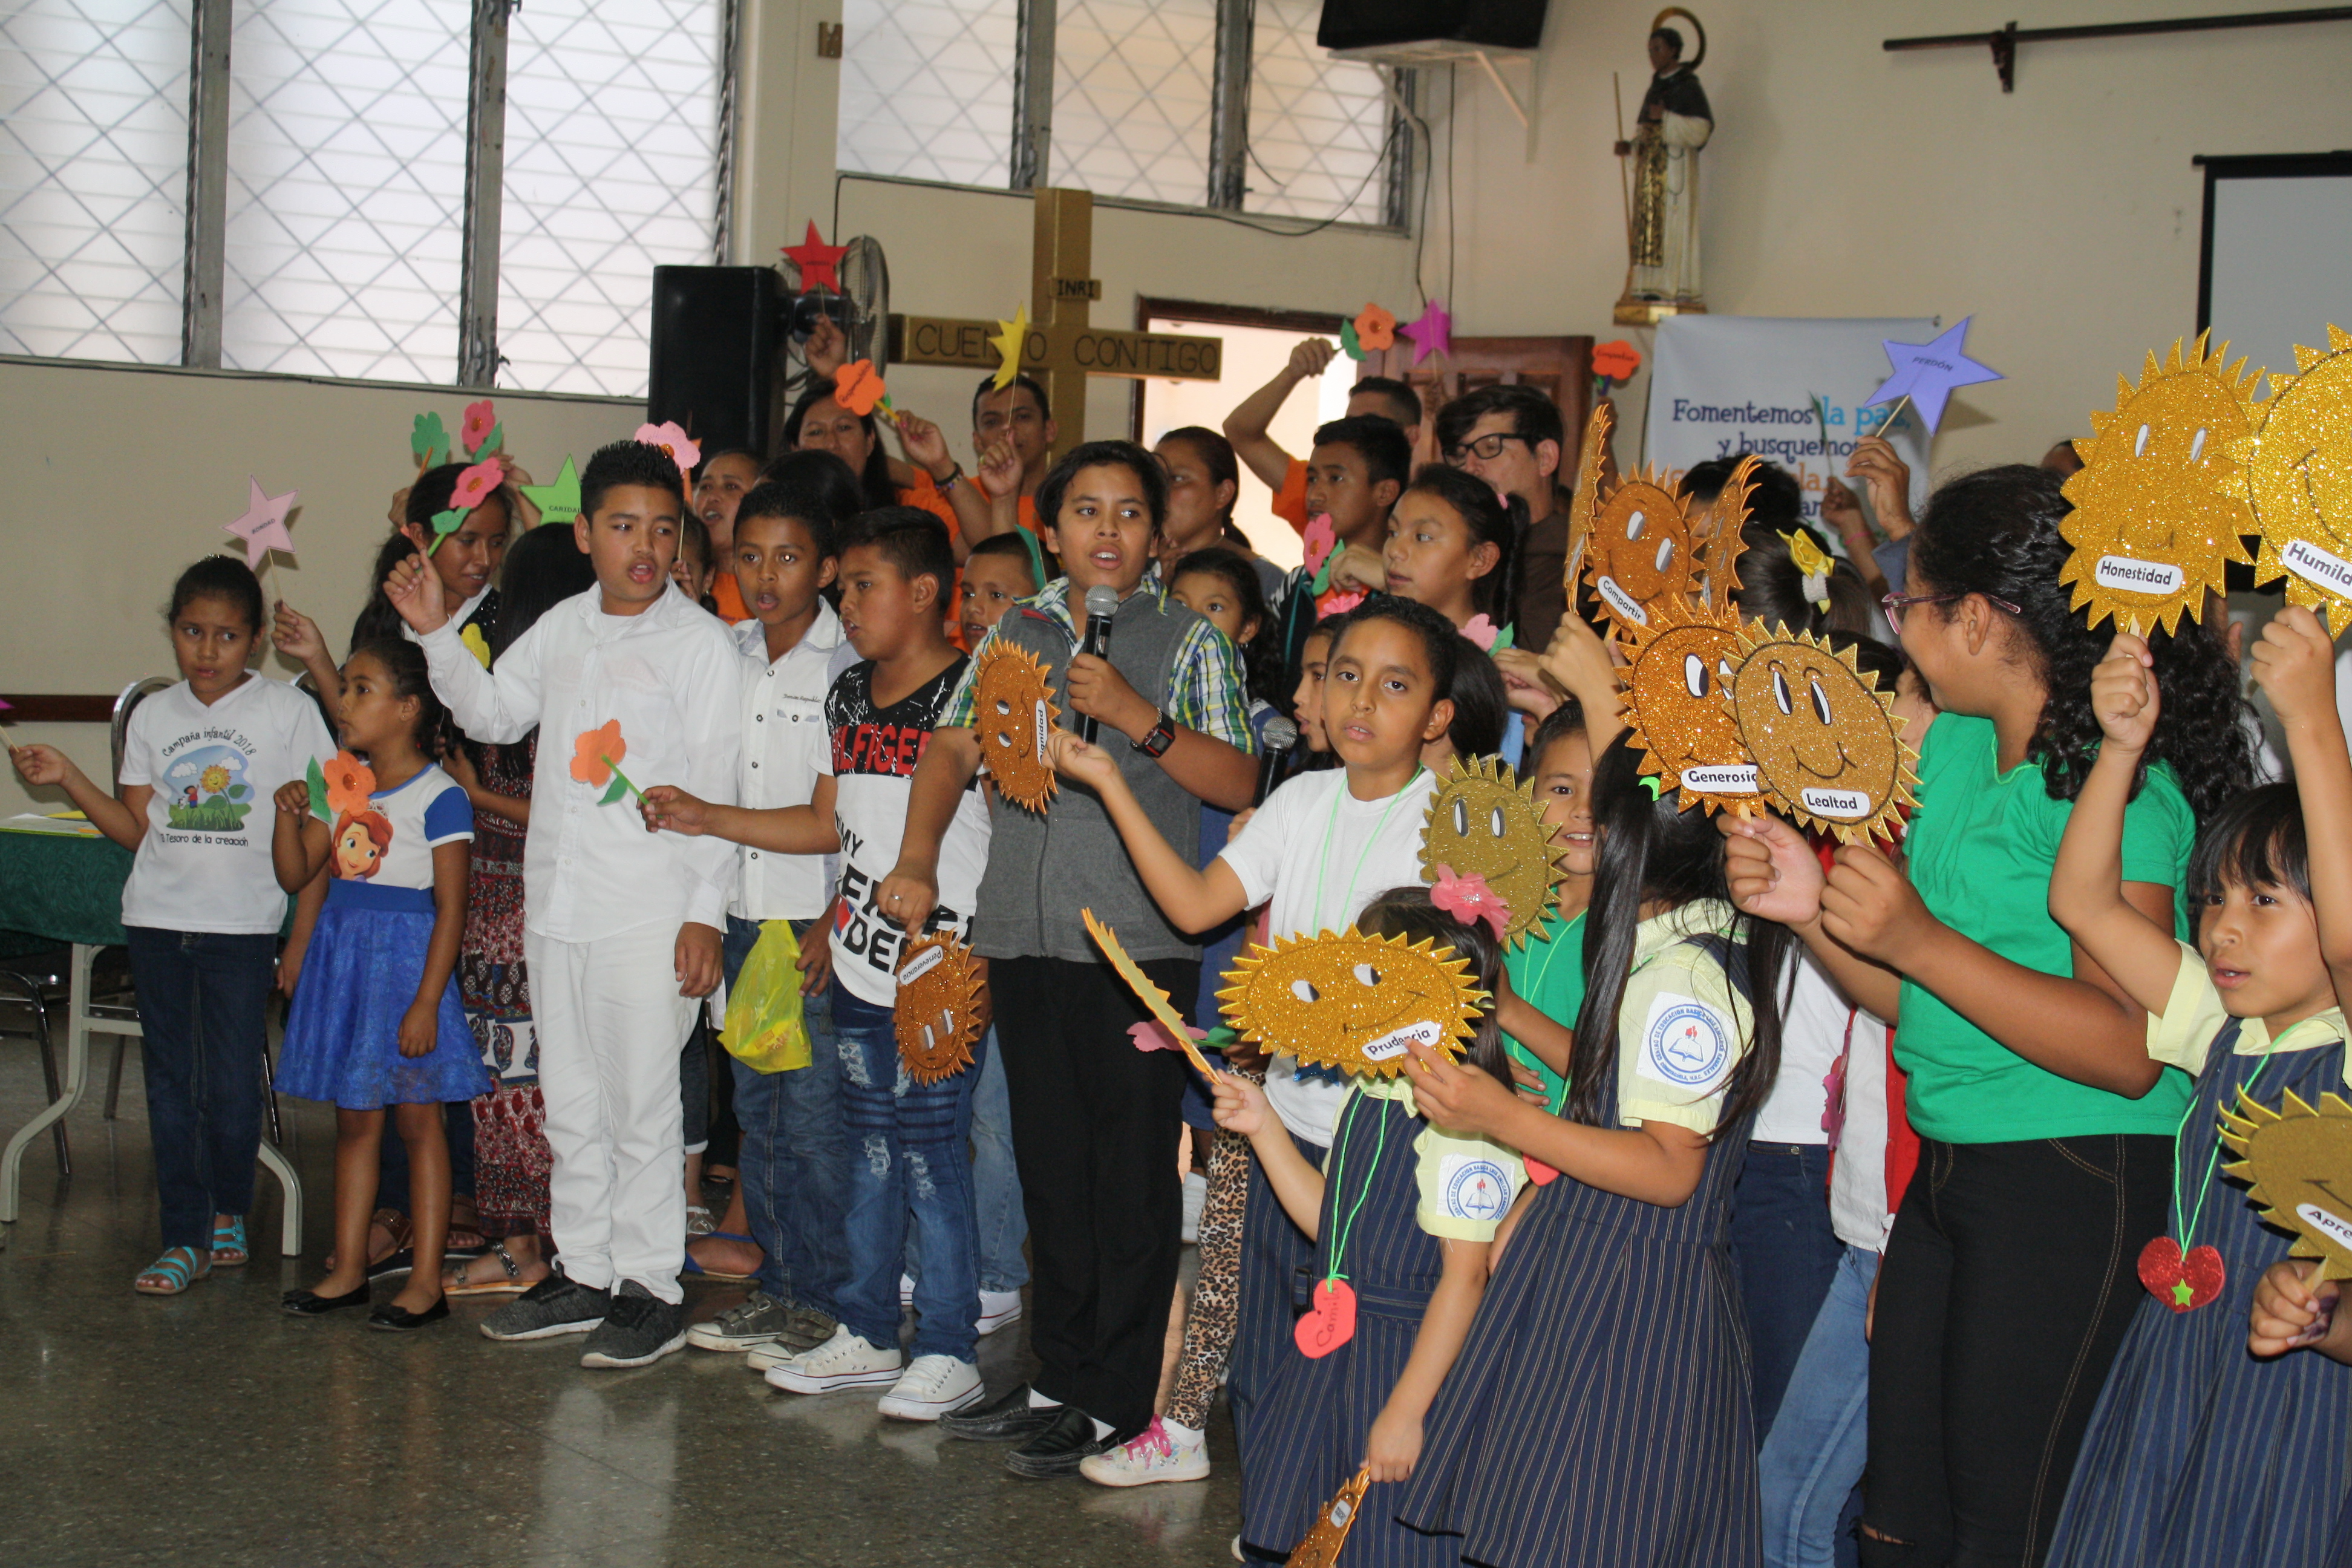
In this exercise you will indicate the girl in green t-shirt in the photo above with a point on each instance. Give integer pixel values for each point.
(2045, 1128)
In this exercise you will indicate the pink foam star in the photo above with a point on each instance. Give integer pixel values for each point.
(263, 526)
(1432, 331)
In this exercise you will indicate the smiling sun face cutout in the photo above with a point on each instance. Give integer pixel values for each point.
(938, 1011)
(1012, 713)
(1827, 743)
(1641, 550)
(1585, 502)
(2294, 1157)
(1353, 1002)
(2297, 471)
(2152, 526)
(1682, 666)
(1482, 820)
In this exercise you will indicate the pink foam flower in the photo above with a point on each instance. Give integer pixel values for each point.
(671, 438)
(1469, 899)
(477, 484)
(480, 420)
(1321, 540)
(1151, 1034)
(1482, 631)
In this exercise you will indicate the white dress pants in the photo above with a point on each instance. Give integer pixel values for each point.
(610, 1021)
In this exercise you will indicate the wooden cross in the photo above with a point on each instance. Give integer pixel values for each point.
(1062, 347)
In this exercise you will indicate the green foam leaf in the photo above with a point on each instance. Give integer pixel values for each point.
(619, 787)
(317, 779)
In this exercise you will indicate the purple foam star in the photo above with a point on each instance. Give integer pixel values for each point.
(1432, 332)
(263, 526)
(1929, 372)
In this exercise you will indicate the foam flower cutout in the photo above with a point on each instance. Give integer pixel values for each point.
(1815, 562)
(477, 484)
(1321, 539)
(475, 644)
(479, 429)
(816, 261)
(857, 387)
(1469, 899)
(596, 757)
(1375, 327)
(1007, 343)
(1349, 344)
(1340, 604)
(428, 440)
(1432, 331)
(262, 528)
(672, 438)
(1618, 360)
(1151, 1034)
(350, 782)
(1482, 631)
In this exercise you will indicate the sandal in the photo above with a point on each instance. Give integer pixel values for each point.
(179, 1268)
(692, 1267)
(699, 1222)
(401, 1259)
(465, 1238)
(228, 1243)
(511, 1285)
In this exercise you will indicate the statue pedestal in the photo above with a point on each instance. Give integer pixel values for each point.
(1635, 312)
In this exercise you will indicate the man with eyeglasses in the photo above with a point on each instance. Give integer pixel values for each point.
(1511, 438)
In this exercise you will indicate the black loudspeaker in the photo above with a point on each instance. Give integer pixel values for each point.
(717, 336)
(1378, 24)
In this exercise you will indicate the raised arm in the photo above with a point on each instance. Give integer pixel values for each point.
(2294, 664)
(2086, 885)
(1194, 898)
(1241, 1107)
(1773, 873)
(1247, 425)
(494, 706)
(123, 820)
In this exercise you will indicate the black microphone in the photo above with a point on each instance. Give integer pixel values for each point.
(1280, 736)
(1102, 604)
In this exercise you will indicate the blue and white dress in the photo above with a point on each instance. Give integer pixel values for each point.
(367, 952)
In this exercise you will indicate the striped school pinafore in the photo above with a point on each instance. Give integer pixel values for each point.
(2197, 1453)
(1307, 1438)
(1276, 1262)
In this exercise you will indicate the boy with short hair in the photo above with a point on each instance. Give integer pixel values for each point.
(793, 1165)
(621, 927)
(999, 570)
(896, 565)
(1247, 425)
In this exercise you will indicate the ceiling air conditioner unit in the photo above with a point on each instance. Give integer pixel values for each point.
(1409, 33)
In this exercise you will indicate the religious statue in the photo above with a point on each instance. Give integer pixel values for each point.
(1662, 207)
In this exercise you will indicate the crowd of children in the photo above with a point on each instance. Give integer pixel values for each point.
(1870, 1288)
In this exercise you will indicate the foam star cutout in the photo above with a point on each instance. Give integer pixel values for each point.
(1432, 332)
(560, 502)
(816, 261)
(263, 527)
(1929, 372)
(1007, 343)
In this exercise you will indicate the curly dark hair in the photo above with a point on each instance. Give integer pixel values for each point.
(1995, 532)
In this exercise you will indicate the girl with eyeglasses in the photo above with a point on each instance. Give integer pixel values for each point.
(2046, 1130)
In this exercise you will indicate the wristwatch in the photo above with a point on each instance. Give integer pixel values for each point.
(1160, 737)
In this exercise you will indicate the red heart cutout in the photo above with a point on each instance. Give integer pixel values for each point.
(1332, 1322)
(1538, 1172)
(2183, 1284)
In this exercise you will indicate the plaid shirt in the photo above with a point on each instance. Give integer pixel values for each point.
(1205, 689)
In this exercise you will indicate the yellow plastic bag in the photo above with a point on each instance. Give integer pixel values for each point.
(765, 1029)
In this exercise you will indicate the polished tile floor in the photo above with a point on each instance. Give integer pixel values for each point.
(211, 1428)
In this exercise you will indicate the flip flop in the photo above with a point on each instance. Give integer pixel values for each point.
(512, 1285)
(691, 1266)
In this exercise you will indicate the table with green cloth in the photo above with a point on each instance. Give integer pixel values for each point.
(69, 888)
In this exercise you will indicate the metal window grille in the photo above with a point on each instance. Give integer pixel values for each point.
(1131, 98)
(93, 175)
(1318, 128)
(926, 88)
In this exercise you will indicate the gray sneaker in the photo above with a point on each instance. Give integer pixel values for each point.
(553, 1306)
(640, 1328)
(804, 1329)
(758, 1319)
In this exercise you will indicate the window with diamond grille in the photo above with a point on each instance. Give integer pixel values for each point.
(1131, 98)
(612, 167)
(93, 177)
(926, 88)
(1318, 128)
(346, 187)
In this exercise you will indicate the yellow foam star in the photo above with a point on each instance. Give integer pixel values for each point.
(1007, 343)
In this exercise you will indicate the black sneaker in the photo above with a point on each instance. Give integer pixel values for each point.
(640, 1328)
(1060, 1447)
(553, 1306)
(1009, 1419)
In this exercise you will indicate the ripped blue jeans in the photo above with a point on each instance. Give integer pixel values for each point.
(908, 1150)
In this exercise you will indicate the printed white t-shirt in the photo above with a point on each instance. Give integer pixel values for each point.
(391, 844)
(204, 865)
(1315, 855)
(872, 763)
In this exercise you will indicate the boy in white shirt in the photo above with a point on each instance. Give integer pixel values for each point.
(621, 927)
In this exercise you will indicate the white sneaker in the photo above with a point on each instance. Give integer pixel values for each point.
(935, 1385)
(1154, 1455)
(845, 1360)
(1196, 1198)
(997, 1307)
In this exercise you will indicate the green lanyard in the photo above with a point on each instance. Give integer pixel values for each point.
(2180, 1197)
(1338, 1183)
(1331, 826)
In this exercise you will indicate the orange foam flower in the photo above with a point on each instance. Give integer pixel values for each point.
(857, 387)
(596, 751)
(1617, 360)
(1376, 328)
(350, 782)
